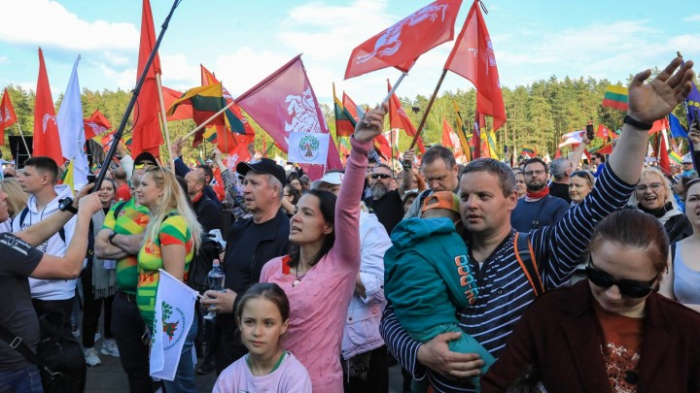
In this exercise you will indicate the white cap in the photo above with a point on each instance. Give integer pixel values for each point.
(333, 178)
(687, 159)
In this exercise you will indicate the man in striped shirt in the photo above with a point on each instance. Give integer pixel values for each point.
(487, 195)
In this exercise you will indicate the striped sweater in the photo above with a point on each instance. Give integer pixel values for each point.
(504, 291)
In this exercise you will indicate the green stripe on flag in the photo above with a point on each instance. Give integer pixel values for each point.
(615, 97)
(206, 103)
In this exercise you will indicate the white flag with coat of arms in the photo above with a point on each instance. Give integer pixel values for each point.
(173, 319)
(308, 147)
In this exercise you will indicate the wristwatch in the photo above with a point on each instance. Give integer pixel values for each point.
(66, 204)
(407, 166)
(110, 238)
(637, 124)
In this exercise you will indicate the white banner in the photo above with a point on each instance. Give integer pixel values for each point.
(308, 147)
(173, 320)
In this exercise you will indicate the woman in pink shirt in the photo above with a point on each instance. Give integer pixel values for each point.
(319, 276)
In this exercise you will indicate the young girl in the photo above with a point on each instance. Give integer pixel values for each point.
(263, 316)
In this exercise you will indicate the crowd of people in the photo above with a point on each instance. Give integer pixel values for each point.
(544, 277)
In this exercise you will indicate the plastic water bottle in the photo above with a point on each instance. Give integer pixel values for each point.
(215, 282)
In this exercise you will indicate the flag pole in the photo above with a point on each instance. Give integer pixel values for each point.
(204, 124)
(269, 148)
(134, 96)
(165, 122)
(21, 134)
(427, 109)
(393, 89)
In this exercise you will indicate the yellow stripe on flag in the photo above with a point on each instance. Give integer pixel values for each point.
(617, 89)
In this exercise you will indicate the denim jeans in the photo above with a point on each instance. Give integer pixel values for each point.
(184, 378)
(128, 329)
(24, 380)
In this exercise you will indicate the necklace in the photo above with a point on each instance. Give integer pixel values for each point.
(299, 278)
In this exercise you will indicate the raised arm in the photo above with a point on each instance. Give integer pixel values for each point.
(71, 264)
(578, 152)
(347, 207)
(407, 173)
(559, 248)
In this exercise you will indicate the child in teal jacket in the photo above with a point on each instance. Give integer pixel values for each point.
(427, 276)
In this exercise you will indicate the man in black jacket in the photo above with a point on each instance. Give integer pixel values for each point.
(208, 213)
(250, 244)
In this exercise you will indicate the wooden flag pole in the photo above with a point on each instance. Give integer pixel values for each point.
(165, 123)
(199, 127)
(427, 109)
(21, 134)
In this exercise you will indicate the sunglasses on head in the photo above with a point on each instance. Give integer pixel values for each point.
(380, 176)
(629, 288)
(143, 164)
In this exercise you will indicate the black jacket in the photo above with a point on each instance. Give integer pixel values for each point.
(208, 213)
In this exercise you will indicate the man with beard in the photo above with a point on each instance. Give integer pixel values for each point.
(538, 208)
(384, 202)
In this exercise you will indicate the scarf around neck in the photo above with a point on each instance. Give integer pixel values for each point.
(103, 280)
(534, 196)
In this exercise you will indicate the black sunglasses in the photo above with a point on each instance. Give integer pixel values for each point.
(380, 175)
(629, 288)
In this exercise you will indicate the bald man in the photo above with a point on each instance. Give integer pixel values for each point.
(207, 211)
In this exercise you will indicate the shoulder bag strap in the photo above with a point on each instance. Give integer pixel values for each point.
(526, 258)
(16, 343)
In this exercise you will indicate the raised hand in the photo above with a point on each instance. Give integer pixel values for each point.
(372, 124)
(90, 204)
(409, 156)
(654, 100)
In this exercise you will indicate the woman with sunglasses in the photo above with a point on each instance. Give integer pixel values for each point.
(614, 332)
(580, 185)
(170, 241)
(654, 196)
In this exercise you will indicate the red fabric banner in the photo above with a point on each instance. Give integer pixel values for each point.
(7, 115)
(399, 119)
(285, 102)
(473, 58)
(96, 125)
(47, 141)
(146, 135)
(401, 44)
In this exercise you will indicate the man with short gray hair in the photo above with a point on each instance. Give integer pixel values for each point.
(560, 169)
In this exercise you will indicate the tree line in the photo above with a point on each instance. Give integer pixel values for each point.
(537, 114)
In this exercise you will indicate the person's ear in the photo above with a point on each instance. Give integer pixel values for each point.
(285, 325)
(328, 229)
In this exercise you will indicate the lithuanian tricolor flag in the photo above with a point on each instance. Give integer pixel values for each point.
(616, 97)
(210, 134)
(528, 150)
(205, 102)
(675, 157)
(344, 122)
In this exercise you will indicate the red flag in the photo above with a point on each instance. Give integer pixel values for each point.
(558, 153)
(401, 44)
(603, 132)
(146, 134)
(473, 58)
(47, 141)
(447, 134)
(350, 105)
(7, 115)
(95, 125)
(659, 125)
(382, 146)
(285, 102)
(662, 154)
(399, 119)
(219, 186)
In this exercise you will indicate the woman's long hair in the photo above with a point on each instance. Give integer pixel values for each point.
(173, 199)
(16, 198)
(326, 205)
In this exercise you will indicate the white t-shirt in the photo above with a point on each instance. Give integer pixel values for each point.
(291, 376)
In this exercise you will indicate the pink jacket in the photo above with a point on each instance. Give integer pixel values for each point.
(320, 302)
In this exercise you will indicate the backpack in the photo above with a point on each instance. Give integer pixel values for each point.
(62, 233)
(59, 356)
(526, 258)
(202, 262)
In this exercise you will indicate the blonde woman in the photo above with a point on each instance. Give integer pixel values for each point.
(16, 201)
(170, 242)
(653, 195)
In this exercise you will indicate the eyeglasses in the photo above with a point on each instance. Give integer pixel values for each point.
(380, 176)
(594, 158)
(537, 172)
(652, 186)
(629, 288)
